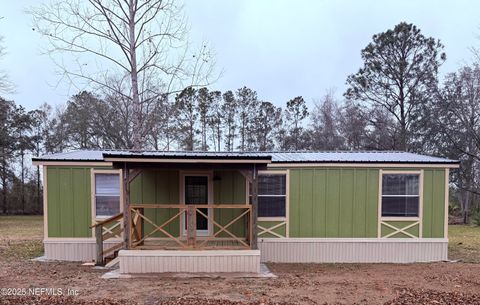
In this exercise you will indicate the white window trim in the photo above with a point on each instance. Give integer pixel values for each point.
(419, 219)
(93, 172)
(287, 197)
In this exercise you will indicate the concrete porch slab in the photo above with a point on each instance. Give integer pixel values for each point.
(264, 273)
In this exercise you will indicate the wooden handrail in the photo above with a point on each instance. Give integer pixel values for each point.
(191, 211)
(197, 206)
(108, 220)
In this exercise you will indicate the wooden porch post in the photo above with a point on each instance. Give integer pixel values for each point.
(127, 218)
(253, 224)
(99, 247)
(191, 225)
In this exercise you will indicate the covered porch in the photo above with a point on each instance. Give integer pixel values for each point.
(206, 227)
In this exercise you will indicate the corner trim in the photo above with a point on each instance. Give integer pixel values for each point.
(45, 202)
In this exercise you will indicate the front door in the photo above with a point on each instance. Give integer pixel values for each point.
(196, 192)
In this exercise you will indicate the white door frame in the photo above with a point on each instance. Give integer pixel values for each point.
(209, 175)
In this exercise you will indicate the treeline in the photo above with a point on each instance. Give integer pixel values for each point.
(195, 119)
(21, 136)
(206, 120)
(396, 101)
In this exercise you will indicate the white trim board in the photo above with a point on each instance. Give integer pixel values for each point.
(94, 171)
(363, 165)
(352, 240)
(45, 202)
(73, 163)
(187, 252)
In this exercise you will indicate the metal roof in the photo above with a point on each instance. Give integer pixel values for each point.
(275, 157)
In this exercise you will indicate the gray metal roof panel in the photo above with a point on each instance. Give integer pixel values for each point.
(356, 157)
(77, 155)
(276, 157)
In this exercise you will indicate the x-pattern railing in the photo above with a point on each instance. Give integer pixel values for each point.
(190, 240)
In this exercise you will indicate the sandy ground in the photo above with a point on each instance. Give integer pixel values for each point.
(295, 284)
(300, 284)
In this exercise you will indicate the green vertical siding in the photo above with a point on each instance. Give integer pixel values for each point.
(332, 211)
(343, 202)
(371, 206)
(69, 202)
(324, 202)
(157, 187)
(229, 188)
(433, 203)
(162, 187)
(333, 202)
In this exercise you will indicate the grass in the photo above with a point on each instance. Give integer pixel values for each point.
(464, 243)
(21, 236)
(21, 227)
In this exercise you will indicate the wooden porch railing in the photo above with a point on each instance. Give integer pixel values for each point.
(106, 229)
(190, 240)
(113, 227)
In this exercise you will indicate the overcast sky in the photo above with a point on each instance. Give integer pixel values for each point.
(281, 49)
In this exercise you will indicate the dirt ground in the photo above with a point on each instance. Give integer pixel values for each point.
(296, 283)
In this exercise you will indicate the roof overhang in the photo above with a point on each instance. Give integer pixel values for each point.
(116, 158)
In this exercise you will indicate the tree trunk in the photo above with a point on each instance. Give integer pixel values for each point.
(137, 109)
(4, 183)
(219, 138)
(4, 189)
(22, 187)
(467, 207)
(243, 136)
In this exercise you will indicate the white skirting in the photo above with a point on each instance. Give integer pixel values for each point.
(73, 249)
(281, 250)
(189, 261)
(351, 250)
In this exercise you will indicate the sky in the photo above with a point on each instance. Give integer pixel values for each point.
(281, 49)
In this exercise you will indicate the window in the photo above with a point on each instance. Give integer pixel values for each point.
(272, 195)
(107, 195)
(400, 195)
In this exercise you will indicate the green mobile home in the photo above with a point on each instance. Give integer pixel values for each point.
(228, 211)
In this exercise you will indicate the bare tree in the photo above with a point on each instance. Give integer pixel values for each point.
(6, 85)
(353, 123)
(454, 129)
(325, 124)
(142, 41)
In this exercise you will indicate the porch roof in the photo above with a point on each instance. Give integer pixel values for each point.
(243, 157)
